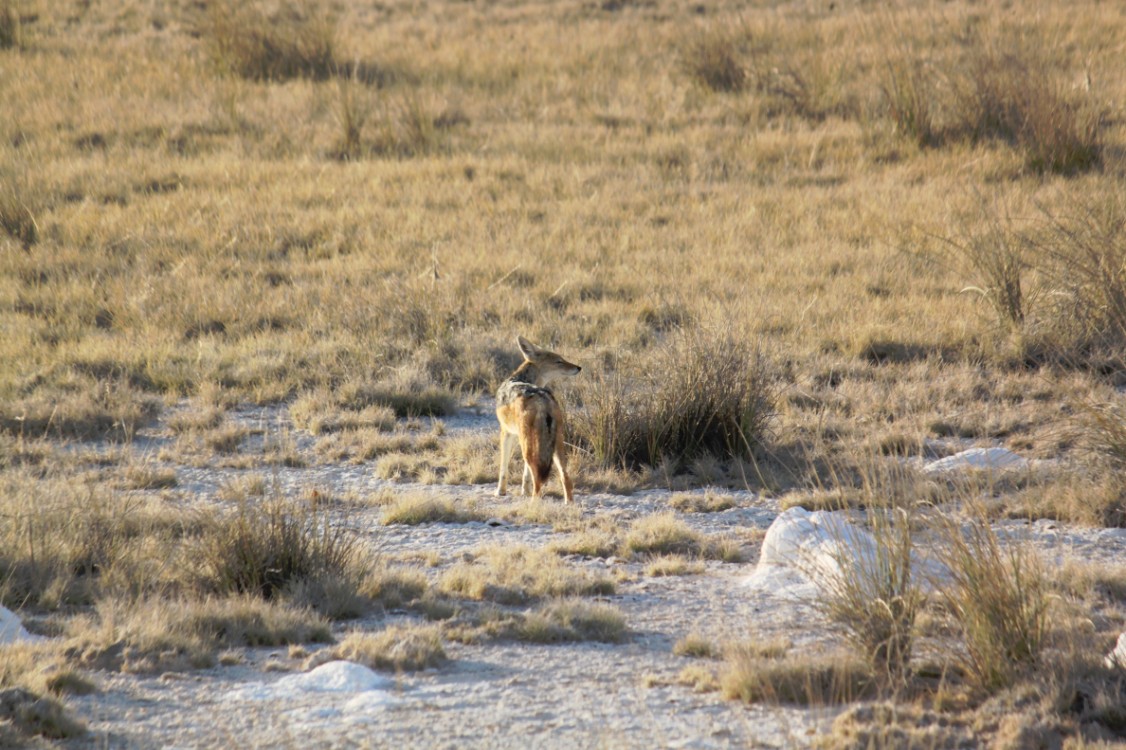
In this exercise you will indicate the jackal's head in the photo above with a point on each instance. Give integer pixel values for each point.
(549, 366)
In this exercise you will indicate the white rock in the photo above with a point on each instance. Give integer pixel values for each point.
(333, 677)
(336, 676)
(11, 629)
(977, 458)
(1117, 657)
(803, 551)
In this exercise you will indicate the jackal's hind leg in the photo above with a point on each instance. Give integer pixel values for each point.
(560, 459)
(526, 482)
(507, 445)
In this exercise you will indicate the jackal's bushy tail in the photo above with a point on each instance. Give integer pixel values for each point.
(538, 441)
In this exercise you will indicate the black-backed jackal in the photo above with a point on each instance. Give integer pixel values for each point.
(528, 412)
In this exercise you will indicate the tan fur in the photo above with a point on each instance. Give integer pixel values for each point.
(529, 412)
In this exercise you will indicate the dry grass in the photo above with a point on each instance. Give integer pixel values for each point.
(702, 393)
(414, 509)
(570, 620)
(696, 646)
(999, 596)
(396, 648)
(673, 565)
(263, 547)
(804, 681)
(590, 543)
(708, 502)
(159, 635)
(876, 597)
(518, 574)
(666, 534)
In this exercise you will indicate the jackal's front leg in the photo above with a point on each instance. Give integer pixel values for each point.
(507, 445)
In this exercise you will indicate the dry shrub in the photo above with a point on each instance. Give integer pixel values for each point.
(261, 548)
(703, 392)
(714, 56)
(910, 96)
(1011, 93)
(1082, 252)
(298, 40)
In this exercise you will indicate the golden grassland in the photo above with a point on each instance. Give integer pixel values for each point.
(785, 241)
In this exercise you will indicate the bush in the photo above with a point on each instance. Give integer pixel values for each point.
(713, 57)
(702, 393)
(874, 597)
(261, 548)
(1011, 94)
(998, 595)
(297, 41)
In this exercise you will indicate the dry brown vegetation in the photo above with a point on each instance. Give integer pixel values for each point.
(783, 249)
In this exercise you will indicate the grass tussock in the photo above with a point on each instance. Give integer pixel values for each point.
(298, 40)
(673, 565)
(875, 594)
(396, 648)
(262, 547)
(394, 586)
(696, 646)
(703, 393)
(804, 681)
(160, 635)
(519, 574)
(708, 502)
(569, 620)
(589, 543)
(419, 508)
(999, 597)
(663, 534)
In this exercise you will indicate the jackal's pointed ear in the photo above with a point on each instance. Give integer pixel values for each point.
(527, 348)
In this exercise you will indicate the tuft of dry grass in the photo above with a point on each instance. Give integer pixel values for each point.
(396, 648)
(704, 392)
(417, 508)
(157, 635)
(696, 646)
(999, 596)
(298, 40)
(262, 547)
(875, 596)
(803, 681)
(518, 574)
(673, 565)
(708, 502)
(394, 586)
(570, 620)
(589, 543)
(663, 534)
